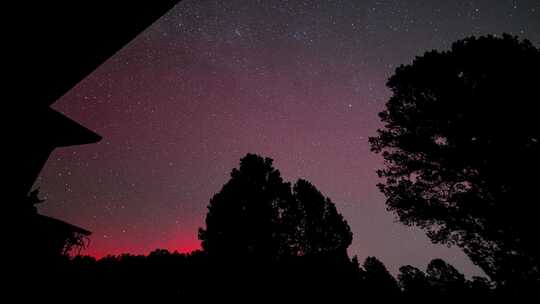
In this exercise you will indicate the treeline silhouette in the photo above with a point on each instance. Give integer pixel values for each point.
(188, 276)
(264, 240)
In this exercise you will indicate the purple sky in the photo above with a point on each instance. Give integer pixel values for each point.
(298, 81)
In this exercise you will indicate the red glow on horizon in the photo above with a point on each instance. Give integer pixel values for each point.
(179, 244)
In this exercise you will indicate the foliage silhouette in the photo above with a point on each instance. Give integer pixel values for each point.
(377, 280)
(262, 239)
(257, 226)
(306, 259)
(256, 215)
(443, 282)
(245, 217)
(461, 143)
(322, 230)
(413, 282)
(445, 279)
(164, 276)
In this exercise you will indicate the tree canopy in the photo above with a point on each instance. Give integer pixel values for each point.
(461, 142)
(445, 278)
(377, 280)
(257, 214)
(263, 238)
(322, 230)
(245, 217)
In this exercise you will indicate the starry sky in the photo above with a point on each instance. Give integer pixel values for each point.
(298, 81)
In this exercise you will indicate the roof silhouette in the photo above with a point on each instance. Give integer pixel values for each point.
(51, 47)
(57, 44)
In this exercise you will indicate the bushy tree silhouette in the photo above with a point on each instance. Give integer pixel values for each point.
(442, 282)
(413, 282)
(321, 229)
(307, 260)
(245, 217)
(256, 215)
(274, 239)
(461, 141)
(445, 278)
(377, 281)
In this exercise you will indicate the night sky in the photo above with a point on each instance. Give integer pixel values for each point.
(298, 81)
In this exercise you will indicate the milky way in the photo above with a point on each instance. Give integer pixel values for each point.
(298, 81)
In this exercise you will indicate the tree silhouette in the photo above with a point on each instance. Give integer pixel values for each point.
(377, 281)
(261, 236)
(245, 217)
(322, 229)
(480, 288)
(445, 279)
(461, 141)
(413, 282)
(257, 215)
(442, 282)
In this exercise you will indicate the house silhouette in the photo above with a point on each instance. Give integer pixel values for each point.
(51, 47)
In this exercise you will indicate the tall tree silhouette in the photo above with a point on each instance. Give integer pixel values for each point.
(461, 142)
(262, 237)
(377, 280)
(445, 279)
(413, 282)
(256, 214)
(442, 281)
(322, 230)
(245, 217)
